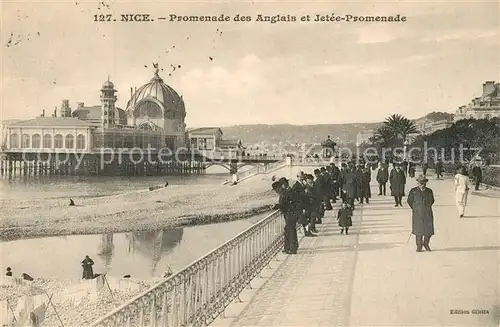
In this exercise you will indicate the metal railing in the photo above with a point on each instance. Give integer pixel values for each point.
(311, 162)
(261, 170)
(196, 295)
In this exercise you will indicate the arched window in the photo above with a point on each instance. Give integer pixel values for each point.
(36, 141)
(14, 141)
(47, 141)
(69, 141)
(25, 141)
(80, 141)
(58, 141)
(149, 109)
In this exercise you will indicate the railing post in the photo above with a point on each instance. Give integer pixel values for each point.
(152, 321)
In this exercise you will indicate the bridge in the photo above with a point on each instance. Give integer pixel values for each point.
(371, 277)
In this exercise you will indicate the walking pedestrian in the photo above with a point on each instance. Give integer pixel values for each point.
(344, 217)
(397, 179)
(350, 185)
(420, 200)
(439, 169)
(462, 186)
(382, 178)
(366, 179)
(411, 169)
(425, 166)
(477, 175)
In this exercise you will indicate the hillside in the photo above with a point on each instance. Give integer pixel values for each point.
(272, 134)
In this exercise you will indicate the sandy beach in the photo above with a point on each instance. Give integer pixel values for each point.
(173, 206)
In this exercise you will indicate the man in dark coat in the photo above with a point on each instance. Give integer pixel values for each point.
(320, 191)
(425, 166)
(342, 181)
(286, 205)
(335, 178)
(382, 178)
(366, 179)
(350, 185)
(398, 182)
(477, 176)
(327, 189)
(313, 205)
(359, 183)
(404, 166)
(439, 169)
(420, 200)
(88, 271)
(411, 169)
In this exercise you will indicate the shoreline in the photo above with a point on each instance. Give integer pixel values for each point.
(171, 207)
(8, 234)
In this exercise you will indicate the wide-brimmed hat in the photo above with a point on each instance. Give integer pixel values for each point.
(282, 180)
(421, 179)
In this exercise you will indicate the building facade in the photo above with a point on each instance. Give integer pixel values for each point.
(154, 119)
(484, 107)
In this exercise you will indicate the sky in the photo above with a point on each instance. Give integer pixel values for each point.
(282, 73)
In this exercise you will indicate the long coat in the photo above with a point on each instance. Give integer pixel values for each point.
(359, 182)
(398, 182)
(350, 183)
(367, 178)
(421, 201)
(382, 175)
(88, 272)
(344, 217)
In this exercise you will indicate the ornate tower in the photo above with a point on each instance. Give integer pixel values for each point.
(65, 110)
(108, 100)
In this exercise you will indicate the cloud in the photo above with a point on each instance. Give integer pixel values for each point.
(368, 69)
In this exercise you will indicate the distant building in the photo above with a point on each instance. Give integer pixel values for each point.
(209, 142)
(426, 127)
(484, 107)
(154, 117)
(364, 136)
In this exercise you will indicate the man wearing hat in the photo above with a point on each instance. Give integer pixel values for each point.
(398, 182)
(286, 205)
(420, 200)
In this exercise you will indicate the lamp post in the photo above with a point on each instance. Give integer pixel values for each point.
(405, 147)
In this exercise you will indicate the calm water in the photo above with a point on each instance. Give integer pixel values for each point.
(72, 186)
(139, 254)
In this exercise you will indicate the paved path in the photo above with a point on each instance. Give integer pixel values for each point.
(373, 277)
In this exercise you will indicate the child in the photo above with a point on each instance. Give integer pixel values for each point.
(344, 218)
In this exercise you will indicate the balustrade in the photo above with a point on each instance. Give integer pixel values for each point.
(196, 295)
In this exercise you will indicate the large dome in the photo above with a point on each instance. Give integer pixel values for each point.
(154, 96)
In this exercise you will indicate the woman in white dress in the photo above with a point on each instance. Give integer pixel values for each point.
(462, 186)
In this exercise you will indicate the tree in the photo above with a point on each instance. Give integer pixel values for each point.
(399, 126)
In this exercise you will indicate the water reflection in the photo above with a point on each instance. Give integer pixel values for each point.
(139, 254)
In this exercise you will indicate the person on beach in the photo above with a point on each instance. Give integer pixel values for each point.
(9, 272)
(344, 217)
(477, 175)
(287, 207)
(439, 169)
(420, 200)
(88, 271)
(397, 179)
(462, 186)
(382, 178)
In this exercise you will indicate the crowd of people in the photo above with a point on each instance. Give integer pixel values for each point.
(304, 203)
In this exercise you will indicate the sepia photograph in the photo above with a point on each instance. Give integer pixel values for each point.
(243, 163)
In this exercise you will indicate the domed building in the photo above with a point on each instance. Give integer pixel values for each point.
(155, 106)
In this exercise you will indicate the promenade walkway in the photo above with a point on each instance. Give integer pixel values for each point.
(374, 277)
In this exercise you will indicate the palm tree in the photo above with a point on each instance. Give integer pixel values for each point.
(399, 126)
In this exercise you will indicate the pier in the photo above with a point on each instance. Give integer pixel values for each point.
(371, 277)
